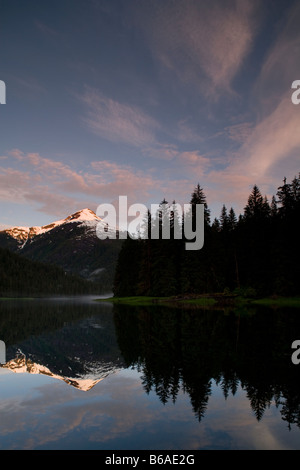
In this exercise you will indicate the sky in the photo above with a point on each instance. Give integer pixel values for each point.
(145, 98)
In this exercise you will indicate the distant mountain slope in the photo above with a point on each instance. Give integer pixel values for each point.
(22, 277)
(71, 244)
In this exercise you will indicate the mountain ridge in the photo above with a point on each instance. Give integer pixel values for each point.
(26, 232)
(71, 244)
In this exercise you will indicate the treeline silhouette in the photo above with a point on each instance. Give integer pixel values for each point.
(20, 276)
(254, 254)
(179, 349)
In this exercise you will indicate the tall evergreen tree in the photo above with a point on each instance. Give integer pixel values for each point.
(224, 219)
(255, 205)
(232, 220)
(216, 227)
(198, 197)
(273, 207)
(289, 196)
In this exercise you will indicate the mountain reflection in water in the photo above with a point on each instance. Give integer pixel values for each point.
(174, 349)
(71, 341)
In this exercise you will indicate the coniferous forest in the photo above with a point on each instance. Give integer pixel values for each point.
(20, 276)
(253, 254)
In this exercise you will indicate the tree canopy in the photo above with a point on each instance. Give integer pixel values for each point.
(256, 252)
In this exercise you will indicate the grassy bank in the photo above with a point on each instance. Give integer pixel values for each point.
(207, 300)
(203, 300)
(278, 302)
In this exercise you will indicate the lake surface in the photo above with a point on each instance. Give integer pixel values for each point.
(80, 374)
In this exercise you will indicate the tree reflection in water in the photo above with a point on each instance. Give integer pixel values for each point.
(188, 349)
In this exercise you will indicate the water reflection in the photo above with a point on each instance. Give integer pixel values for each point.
(70, 340)
(188, 349)
(162, 370)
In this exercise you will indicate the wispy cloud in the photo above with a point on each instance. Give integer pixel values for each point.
(29, 87)
(203, 43)
(47, 168)
(272, 143)
(239, 132)
(275, 139)
(268, 148)
(14, 184)
(268, 152)
(55, 187)
(28, 187)
(281, 65)
(45, 29)
(117, 122)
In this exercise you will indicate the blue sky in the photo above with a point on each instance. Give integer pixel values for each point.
(145, 98)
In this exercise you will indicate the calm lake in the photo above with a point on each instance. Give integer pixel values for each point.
(81, 374)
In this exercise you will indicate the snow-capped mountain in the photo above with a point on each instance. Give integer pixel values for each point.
(84, 216)
(71, 243)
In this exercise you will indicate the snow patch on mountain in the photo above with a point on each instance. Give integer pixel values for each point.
(85, 216)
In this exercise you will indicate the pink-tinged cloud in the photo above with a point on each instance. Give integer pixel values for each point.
(268, 151)
(117, 122)
(47, 168)
(228, 187)
(270, 147)
(16, 153)
(187, 133)
(121, 179)
(51, 202)
(239, 132)
(25, 187)
(272, 144)
(281, 67)
(166, 152)
(203, 43)
(194, 159)
(14, 184)
(55, 187)
(180, 161)
(275, 139)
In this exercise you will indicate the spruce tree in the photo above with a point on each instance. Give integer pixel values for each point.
(198, 197)
(255, 205)
(273, 207)
(224, 219)
(232, 220)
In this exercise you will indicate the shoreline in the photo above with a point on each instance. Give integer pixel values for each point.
(207, 300)
(203, 300)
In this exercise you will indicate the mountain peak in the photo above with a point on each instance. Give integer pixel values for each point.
(24, 233)
(84, 214)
